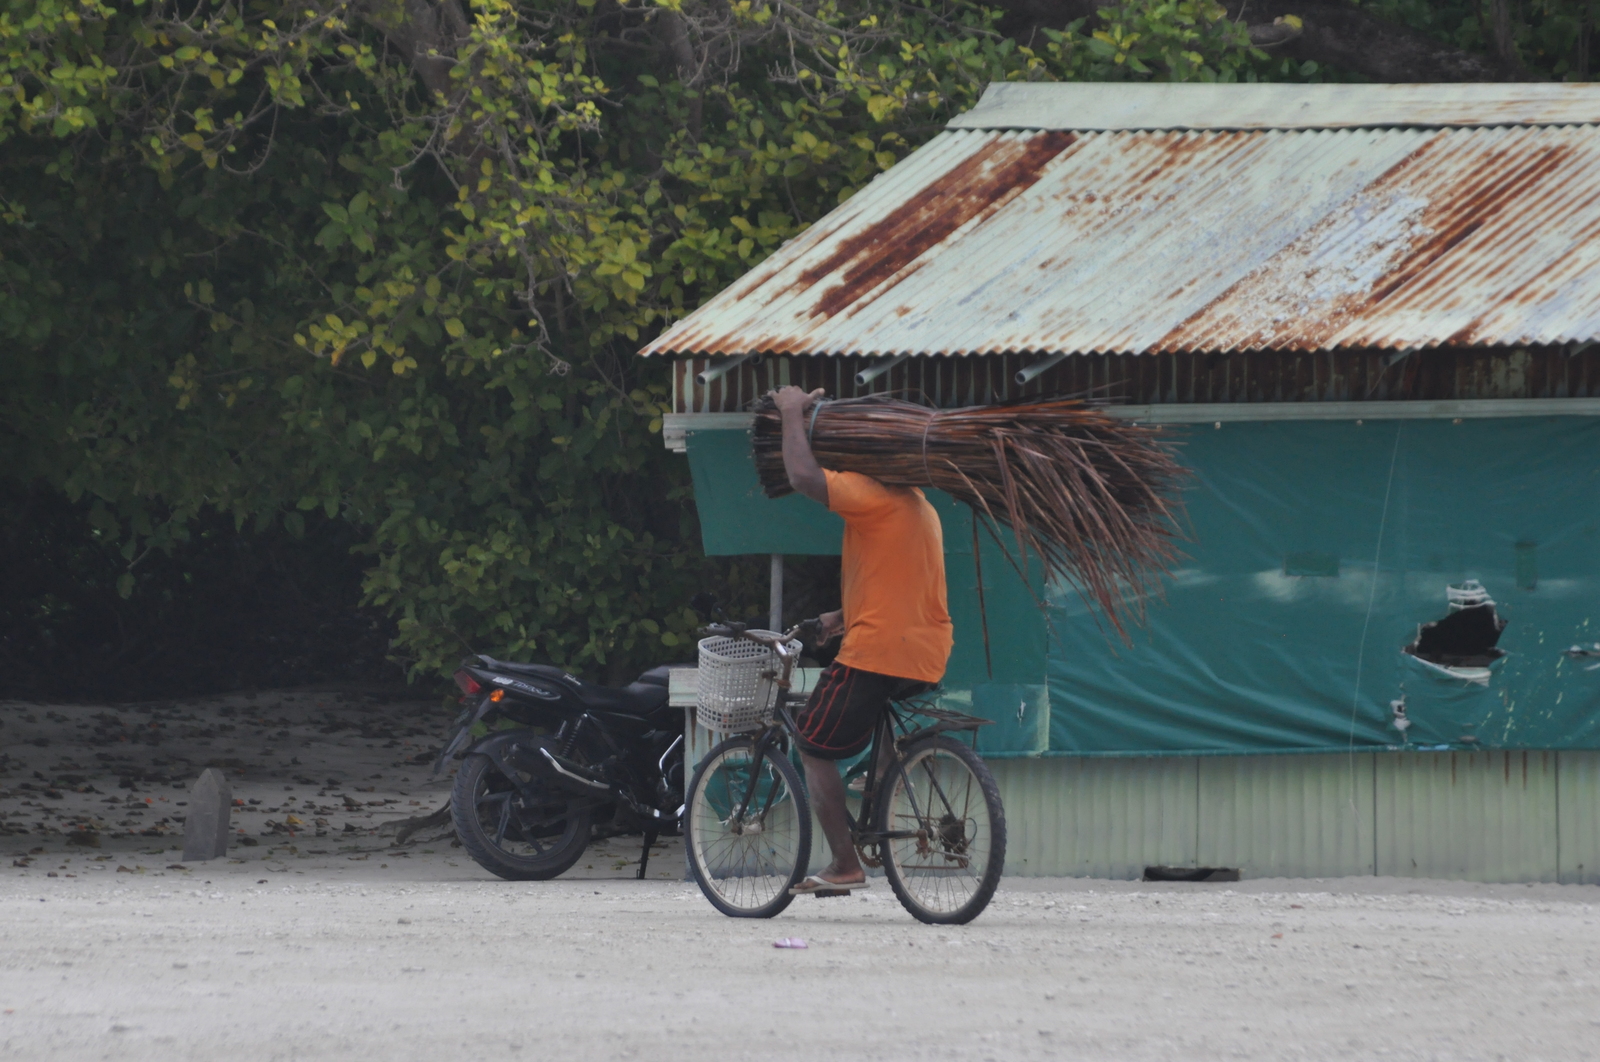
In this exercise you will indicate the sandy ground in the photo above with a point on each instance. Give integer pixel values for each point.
(341, 947)
(320, 779)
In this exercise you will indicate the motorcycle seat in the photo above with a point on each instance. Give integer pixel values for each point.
(539, 670)
(657, 676)
(643, 699)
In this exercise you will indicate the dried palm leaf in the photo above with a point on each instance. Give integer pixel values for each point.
(1095, 499)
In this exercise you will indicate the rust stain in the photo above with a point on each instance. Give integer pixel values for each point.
(1458, 205)
(1175, 149)
(1551, 270)
(1455, 238)
(1192, 332)
(980, 184)
(1473, 202)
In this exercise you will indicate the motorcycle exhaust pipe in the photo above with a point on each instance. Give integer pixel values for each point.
(574, 780)
(642, 809)
(574, 775)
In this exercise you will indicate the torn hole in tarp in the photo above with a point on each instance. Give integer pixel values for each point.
(1464, 644)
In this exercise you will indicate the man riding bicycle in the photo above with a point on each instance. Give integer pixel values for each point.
(896, 626)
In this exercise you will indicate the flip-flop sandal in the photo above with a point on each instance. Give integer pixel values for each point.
(817, 885)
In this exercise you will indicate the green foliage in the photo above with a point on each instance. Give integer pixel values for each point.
(1552, 38)
(1169, 40)
(256, 262)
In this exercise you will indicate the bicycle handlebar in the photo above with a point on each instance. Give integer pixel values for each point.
(772, 641)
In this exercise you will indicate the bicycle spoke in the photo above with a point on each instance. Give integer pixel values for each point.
(940, 847)
(746, 859)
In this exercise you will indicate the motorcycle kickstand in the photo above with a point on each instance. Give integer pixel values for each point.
(644, 857)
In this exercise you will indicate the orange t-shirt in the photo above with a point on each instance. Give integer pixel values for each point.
(892, 577)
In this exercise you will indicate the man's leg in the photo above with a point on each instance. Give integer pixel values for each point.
(826, 789)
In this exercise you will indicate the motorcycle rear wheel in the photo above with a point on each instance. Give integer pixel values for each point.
(509, 836)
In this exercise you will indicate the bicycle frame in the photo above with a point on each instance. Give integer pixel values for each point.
(883, 765)
(882, 762)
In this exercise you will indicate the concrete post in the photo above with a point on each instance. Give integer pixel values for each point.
(210, 819)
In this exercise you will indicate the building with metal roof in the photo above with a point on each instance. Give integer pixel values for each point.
(1377, 308)
(1001, 238)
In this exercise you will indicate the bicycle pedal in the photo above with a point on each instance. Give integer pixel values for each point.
(820, 893)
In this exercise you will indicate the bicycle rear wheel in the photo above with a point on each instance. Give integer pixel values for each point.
(747, 827)
(944, 832)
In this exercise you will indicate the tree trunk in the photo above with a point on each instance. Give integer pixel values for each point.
(673, 33)
(427, 32)
(1502, 39)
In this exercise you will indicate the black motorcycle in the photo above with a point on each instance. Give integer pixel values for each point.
(548, 757)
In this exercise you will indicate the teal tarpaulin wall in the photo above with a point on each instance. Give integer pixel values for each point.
(1283, 628)
(737, 517)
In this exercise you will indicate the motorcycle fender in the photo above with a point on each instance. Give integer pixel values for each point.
(462, 736)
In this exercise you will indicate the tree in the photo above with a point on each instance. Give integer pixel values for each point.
(387, 261)
(1386, 40)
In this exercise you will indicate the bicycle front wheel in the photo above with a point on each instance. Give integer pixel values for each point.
(747, 826)
(943, 830)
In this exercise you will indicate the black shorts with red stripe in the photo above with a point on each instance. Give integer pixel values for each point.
(837, 722)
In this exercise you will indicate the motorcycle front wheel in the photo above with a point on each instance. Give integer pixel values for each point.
(510, 833)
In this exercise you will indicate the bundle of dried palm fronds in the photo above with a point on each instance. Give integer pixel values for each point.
(1094, 498)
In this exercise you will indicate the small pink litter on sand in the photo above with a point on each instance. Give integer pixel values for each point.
(789, 942)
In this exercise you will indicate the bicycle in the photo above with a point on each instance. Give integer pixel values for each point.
(930, 813)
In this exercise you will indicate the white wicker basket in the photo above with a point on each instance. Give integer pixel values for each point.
(736, 690)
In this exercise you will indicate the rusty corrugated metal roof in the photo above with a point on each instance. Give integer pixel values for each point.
(1057, 240)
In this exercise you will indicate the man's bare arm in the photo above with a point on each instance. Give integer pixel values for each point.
(805, 475)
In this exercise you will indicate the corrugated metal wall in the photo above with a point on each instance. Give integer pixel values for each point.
(1578, 817)
(1488, 816)
(1281, 816)
(1100, 818)
(1475, 816)
(1258, 376)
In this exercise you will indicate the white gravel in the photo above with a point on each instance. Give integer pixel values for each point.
(437, 962)
(329, 943)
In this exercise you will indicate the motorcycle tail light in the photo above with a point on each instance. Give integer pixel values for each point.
(467, 683)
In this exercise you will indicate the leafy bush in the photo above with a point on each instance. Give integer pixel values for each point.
(387, 264)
